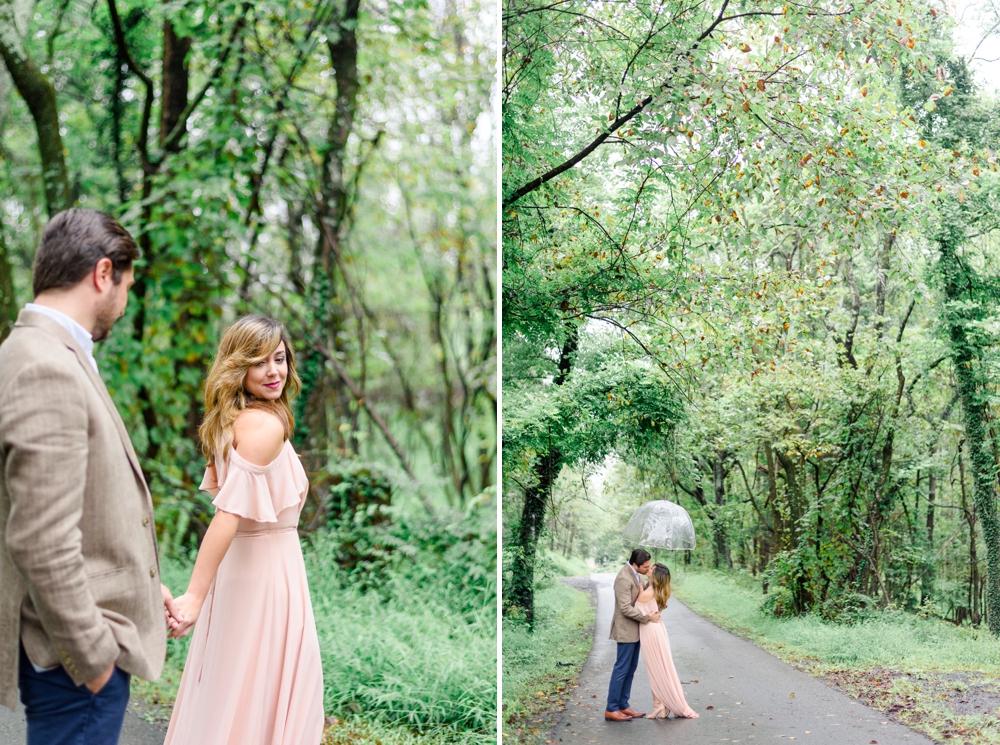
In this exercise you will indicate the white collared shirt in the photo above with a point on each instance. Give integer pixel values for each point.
(638, 579)
(78, 332)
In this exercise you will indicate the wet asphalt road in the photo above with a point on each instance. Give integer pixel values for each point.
(135, 730)
(748, 688)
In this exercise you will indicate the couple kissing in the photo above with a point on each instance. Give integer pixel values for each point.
(638, 629)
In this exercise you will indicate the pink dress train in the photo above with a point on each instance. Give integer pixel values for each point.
(253, 674)
(654, 646)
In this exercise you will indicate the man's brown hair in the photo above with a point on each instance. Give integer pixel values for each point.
(72, 244)
(639, 557)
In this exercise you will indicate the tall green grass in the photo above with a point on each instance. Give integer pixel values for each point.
(413, 652)
(891, 638)
(563, 620)
(553, 564)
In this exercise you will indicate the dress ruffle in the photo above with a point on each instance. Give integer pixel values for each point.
(255, 492)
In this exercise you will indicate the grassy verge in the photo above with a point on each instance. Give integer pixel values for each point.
(932, 676)
(556, 565)
(540, 667)
(411, 662)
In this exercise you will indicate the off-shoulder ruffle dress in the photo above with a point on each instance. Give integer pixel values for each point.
(253, 674)
(654, 645)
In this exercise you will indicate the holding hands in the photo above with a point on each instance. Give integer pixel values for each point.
(179, 613)
(182, 612)
(187, 608)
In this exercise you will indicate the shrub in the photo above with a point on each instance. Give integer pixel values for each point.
(779, 602)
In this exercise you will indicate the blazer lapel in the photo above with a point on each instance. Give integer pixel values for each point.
(113, 410)
(635, 580)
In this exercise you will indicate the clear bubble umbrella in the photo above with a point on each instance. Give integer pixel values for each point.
(660, 524)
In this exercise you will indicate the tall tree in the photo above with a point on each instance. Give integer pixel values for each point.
(39, 94)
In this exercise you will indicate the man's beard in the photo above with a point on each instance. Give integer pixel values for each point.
(106, 318)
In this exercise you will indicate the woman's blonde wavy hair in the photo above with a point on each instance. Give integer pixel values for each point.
(659, 579)
(250, 340)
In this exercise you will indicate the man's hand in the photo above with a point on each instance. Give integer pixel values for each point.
(95, 685)
(170, 611)
(655, 617)
(188, 607)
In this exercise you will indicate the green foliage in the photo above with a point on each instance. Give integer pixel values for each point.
(794, 235)
(414, 651)
(601, 399)
(417, 649)
(357, 501)
(851, 608)
(609, 400)
(455, 554)
(539, 659)
(779, 602)
(229, 221)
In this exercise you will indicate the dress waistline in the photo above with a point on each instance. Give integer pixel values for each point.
(266, 531)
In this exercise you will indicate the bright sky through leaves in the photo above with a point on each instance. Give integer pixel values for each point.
(974, 19)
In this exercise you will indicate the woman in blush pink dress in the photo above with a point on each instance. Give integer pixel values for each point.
(253, 674)
(654, 646)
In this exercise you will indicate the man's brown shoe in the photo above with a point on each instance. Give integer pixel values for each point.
(633, 713)
(617, 716)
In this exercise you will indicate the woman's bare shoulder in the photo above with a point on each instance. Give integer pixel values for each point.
(645, 594)
(259, 436)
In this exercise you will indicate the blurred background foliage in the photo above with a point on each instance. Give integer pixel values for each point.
(330, 164)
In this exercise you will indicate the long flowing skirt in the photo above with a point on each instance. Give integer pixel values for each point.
(655, 649)
(253, 674)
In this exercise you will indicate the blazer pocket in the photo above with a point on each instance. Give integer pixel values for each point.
(105, 573)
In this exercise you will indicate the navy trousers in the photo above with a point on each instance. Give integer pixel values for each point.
(59, 712)
(621, 676)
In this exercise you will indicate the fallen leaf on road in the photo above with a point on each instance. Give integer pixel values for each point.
(709, 708)
(791, 695)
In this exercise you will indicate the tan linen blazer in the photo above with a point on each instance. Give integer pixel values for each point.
(79, 569)
(626, 619)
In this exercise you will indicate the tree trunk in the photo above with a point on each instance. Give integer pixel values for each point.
(40, 95)
(192, 301)
(175, 81)
(972, 593)
(958, 280)
(927, 582)
(719, 524)
(8, 302)
(547, 465)
(332, 208)
(522, 585)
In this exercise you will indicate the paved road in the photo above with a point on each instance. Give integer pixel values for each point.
(135, 730)
(749, 689)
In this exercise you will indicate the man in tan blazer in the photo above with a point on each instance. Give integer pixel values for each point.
(81, 603)
(625, 630)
